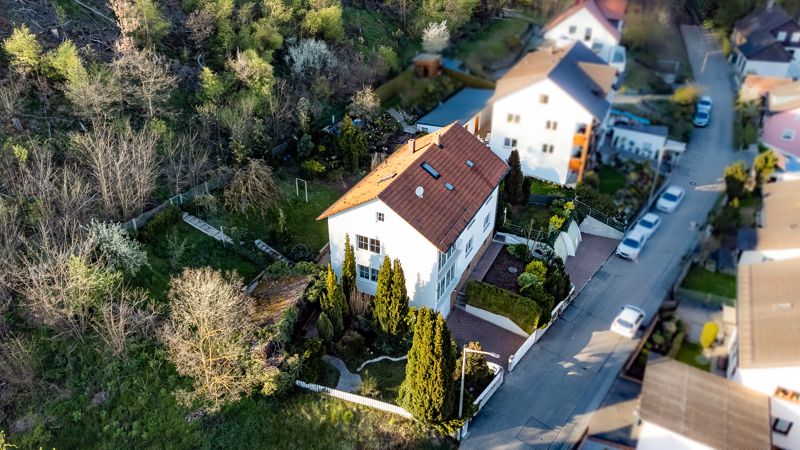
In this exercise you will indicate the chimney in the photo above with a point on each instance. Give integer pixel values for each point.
(438, 140)
(413, 144)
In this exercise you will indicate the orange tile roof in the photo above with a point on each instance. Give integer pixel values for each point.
(441, 214)
(613, 9)
(595, 9)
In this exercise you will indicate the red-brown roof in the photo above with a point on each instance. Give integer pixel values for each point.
(603, 11)
(441, 214)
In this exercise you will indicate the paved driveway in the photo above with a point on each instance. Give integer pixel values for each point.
(549, 398)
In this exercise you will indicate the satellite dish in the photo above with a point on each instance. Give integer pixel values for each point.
(420, 190)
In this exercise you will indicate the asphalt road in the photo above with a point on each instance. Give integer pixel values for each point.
(549, 398)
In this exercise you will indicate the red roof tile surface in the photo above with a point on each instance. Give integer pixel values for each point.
(440, 214)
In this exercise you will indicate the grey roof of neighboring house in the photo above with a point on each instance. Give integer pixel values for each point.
(703, 407)
(756, 29)
(657, 130)
(460, 107)
(576, 69)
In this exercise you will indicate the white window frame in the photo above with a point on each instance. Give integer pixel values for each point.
(468, 248)
(787, 134)
(781, 36)
(781, 426)
(380, 217)
(510, 143)
(372, 273)
(572, 29)
(444, 282)
(445, 257)
(486, 221)
(795, 37)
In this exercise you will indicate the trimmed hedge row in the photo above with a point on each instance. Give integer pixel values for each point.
(523, 311)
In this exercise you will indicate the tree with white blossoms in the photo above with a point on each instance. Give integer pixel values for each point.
(311, 57)
(436, 37)
(365, 103)
(116, 247)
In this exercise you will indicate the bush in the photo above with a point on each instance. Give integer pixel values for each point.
(520, 251)
(686, 95)
(351, 346)
(301, 252)
(168, 216)
(523, 311)
(311, 369)
(312, 168)
(325, 327)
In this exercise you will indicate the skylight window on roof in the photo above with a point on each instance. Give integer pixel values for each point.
(433, 172)
(448, 186)
(470, 164)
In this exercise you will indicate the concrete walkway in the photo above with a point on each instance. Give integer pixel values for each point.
(206, 228)
(348, 381)
(398, 116)
(549, 399)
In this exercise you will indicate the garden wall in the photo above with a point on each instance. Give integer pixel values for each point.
(496, 319)
(590, 225)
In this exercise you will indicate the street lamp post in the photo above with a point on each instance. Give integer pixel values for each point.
(464, 369)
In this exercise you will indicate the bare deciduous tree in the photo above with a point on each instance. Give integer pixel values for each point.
(99, 96)
(208, 336)
(145, 79)
(124, 165)
(253, 189)
(280, 105)
(201, 25)
(17, 368)
(125, 315)
(186, 162)
(11, 240)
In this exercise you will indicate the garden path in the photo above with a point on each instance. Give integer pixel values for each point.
(398, 116)
(348, 381)
(206, 228)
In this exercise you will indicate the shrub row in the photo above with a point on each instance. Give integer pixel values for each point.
(168, 216)
(523, 311)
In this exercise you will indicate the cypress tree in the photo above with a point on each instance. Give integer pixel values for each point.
(332, 301)
(383, 294)
(398, 302)
(514, 180)
(348, 268)
(325, 327)
(428, 391)
(352, 143)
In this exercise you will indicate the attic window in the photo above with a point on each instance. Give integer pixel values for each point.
(448, 186)
(433, 172)
(469, 163)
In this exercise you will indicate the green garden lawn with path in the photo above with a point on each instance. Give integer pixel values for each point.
(721, 284)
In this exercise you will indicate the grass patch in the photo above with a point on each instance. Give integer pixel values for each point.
(611, 180)
(524, 215)
(523, 311)
(201, 251)
(542, 187)
(495, 43)
(692, 354)
(371, 29)
(721, 284)
(388, 376)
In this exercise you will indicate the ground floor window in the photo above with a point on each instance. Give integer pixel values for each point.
(367, 273)
(444, 282)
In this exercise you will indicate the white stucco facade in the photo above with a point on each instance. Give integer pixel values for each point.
(746, 66)
(638, 142)
(530, 133)
(578, 27)
(654, 437)
(419, 257)
(767, 381)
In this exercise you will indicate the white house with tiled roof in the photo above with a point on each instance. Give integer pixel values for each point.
(765, 350)
(597, 24)
(431, 204)
(549, 107)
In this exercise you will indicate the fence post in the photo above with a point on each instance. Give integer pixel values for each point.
(134, 224)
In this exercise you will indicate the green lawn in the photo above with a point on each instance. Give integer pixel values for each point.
(611, 180)
(541, 187)
(388, 375)
(692, 354)
(375, 29)
(699, 279)
(496, 42)
(523, 215)
(201, 251)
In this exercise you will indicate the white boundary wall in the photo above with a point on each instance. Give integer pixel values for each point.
(514, 359)
(496, 319)
(353, 398)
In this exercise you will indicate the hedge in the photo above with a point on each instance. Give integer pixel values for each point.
(521, 310)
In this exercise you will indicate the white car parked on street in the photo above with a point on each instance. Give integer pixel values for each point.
(628, 321)
(670, 199)
(648, 224)
(632, 244)
(704, 104)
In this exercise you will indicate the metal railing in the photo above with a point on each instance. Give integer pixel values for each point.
(585, 210)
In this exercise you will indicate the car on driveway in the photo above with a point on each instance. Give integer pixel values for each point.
(628, 321)
(632, 244)
(669, 200)
(648, 224)
(701, 118)
(704, 104)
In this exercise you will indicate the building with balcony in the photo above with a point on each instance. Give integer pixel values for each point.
(597, 24)
(549, 107)
(431, 204)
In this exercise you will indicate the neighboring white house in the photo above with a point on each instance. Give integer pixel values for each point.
(596, 23)
(431, 205)
(548, 107)
(766, 42)
(764, 354)
(682, 408)
(467, 107)
(648, 141)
